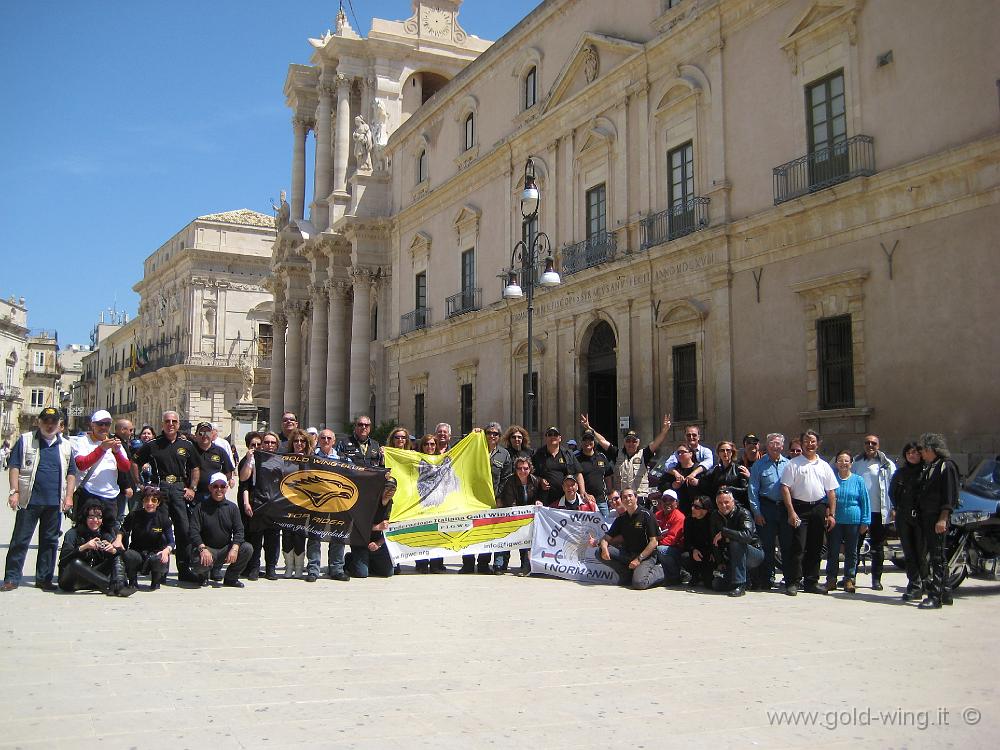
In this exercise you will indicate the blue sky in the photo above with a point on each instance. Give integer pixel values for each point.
(125, 119)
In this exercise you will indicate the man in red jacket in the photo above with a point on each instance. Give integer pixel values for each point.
(670, 522)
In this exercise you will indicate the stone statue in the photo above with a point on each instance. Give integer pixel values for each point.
(246, 372)
(363, 144)
(381, 134)
(282, 213)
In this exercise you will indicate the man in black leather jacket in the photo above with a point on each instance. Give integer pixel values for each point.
(734, 536)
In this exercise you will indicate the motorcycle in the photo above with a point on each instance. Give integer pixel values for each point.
(972, 544)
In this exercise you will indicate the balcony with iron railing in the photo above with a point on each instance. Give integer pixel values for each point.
(600, 248)
(413, 321)
(9, 393)
(681, 219)
(825, 167)
(465, 301)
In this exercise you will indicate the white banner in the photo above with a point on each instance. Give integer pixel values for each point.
(493, 530)
(561, 546)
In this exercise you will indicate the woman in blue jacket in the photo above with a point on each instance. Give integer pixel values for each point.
(852, 516)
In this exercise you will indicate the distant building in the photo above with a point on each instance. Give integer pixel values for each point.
(41, 376)
(90, 391)
(204, 306)
(13, 356)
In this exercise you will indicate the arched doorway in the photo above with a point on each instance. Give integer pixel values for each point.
(602, 381)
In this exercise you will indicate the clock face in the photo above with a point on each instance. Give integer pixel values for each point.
(436, 22)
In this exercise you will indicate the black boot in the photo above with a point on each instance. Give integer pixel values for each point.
(154, 581)
(120, 585)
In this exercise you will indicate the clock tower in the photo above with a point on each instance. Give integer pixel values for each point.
(437, 19)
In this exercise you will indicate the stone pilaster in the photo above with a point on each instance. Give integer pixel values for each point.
(293, 357)
(342, 146)
(322, 182)
(317, 356)
(336, 392)
(278, 325)
(300, 129)
(360, 341)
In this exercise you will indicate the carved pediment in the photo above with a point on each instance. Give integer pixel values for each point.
(822, 20)
(420, 248)
(466, 223)
(594, 56)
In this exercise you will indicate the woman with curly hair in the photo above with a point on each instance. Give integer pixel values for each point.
(293, 543)
(517, 440)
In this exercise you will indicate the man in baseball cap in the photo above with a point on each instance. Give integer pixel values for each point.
(41, 477)
(217, 536)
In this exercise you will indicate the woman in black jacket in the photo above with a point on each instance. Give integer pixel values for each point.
(903, 493)
(728, 473)
(89, 559)
(148, 537)
(697, 559)
(520, 488)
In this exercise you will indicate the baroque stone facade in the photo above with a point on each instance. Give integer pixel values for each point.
(204, 306)
(752, 230)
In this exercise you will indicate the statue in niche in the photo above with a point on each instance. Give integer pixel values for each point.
(282, 213)
(362, 144)
(246, 373)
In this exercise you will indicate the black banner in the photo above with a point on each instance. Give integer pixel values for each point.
(333, 501)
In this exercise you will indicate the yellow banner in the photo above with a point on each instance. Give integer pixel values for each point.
(458, 481)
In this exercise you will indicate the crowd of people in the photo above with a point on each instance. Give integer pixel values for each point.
(688, 516)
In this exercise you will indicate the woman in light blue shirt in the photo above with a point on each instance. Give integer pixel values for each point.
(853, 515)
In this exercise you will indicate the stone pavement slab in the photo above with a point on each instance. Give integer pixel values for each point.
(453, 661)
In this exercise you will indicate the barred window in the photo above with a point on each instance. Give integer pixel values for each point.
(685, 382)
(835, 362)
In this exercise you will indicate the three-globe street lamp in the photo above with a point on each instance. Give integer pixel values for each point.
(526, 255)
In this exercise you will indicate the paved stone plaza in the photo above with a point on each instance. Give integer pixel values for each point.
(474, 661)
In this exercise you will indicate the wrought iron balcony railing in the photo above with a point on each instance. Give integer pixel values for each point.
(679, 220)
(9, 393)
(412, 321)
(850, 158)
(599, 248)
(465, 301)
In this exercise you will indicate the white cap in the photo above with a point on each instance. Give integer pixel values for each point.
(100, 415)
(312, 431)
(218, 477)
(670, 493)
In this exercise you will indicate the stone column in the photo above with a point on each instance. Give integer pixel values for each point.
(293, 358)
(336, 390)
(300, 128)
(278, 325)
(321, 210)
(360, 341)
(342, 146)
(317, 356)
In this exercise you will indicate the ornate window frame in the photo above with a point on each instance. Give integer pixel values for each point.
(826, 297)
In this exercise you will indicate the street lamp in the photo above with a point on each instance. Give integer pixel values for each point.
(525, 256)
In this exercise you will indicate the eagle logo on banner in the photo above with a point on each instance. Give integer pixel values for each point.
(435, 483)
(322, 490)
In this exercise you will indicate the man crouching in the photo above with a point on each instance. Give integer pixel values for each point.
(737, 546)
(629, 547)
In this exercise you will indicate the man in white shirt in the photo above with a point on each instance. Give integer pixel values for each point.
(876, 469)
(98, 457)
(808, 489)
(324, 444)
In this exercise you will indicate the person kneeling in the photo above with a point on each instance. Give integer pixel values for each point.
(374, 558)
(149, 539)
(89, 559)
(629, 546)
(217, 536)
(736, 544)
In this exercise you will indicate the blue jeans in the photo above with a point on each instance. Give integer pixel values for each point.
(603, 509)
(742, 557)
(670, 559)
(48, 519)
(846, 534)
(314, 553)
(364, 562)
(775, 528)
